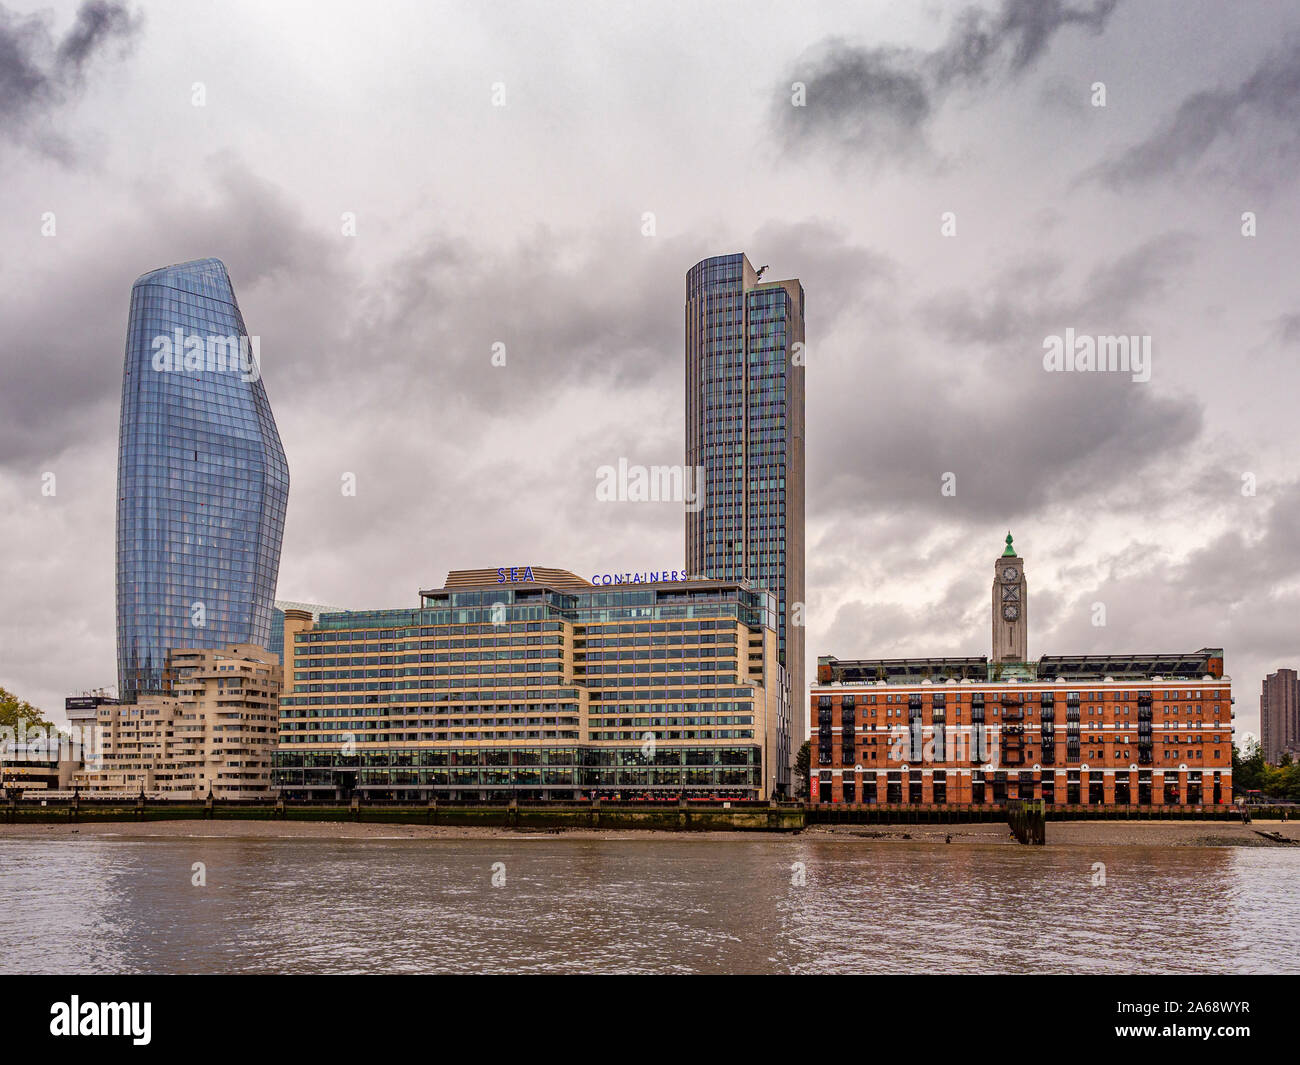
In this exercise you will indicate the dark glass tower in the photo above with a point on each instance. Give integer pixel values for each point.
(745, 428)
(202, 483)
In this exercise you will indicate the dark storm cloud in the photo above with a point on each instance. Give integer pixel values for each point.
(1017, 437)
(866, 98)
(1012, 39)
(424, 322)
(879, 100)
(572, 308)
(1236, 591)
(37, 76)
(1270, 96)
(65, 332)
(256, 227)
(1257, 551)
(97, 22)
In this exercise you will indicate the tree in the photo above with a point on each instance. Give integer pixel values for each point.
(803, 770)
(1285, 782)
(15, 712)
(1273, 782)
(1248, 768)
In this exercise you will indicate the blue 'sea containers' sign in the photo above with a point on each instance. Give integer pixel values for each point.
(647, 577)
(524, 575)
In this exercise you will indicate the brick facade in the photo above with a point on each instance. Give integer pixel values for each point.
(1148, 742)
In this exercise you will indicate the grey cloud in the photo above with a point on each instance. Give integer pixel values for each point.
(1015, 445)
(1117, 291)
(866, 629)
(1014, 37)
(1016, 437)
(65, 333)
(872, 99)
(842, 280)
(97, 22)
(878, 100)
(1236, 590)
(874, 630)
(1021, 306)
(424, 321)
(37, 76)
(1271, 95)
(1257, 550)
(1287, 329)
(573, 308)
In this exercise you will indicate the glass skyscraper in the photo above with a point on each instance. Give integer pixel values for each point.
(745, 429)
(202, 482)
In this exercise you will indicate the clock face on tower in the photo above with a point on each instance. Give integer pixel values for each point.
(1009, 573)
(1010, 611)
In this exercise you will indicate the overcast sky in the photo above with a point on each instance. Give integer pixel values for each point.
(525, 224)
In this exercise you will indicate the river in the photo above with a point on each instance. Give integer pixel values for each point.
(642, 904)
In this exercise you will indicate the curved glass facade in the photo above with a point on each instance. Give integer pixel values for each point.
(202, 479)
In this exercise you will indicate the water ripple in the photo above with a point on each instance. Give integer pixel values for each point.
(641, 905)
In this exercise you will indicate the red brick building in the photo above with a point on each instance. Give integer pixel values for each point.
(1096, 729)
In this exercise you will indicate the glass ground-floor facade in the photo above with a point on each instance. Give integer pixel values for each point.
(525, 773)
